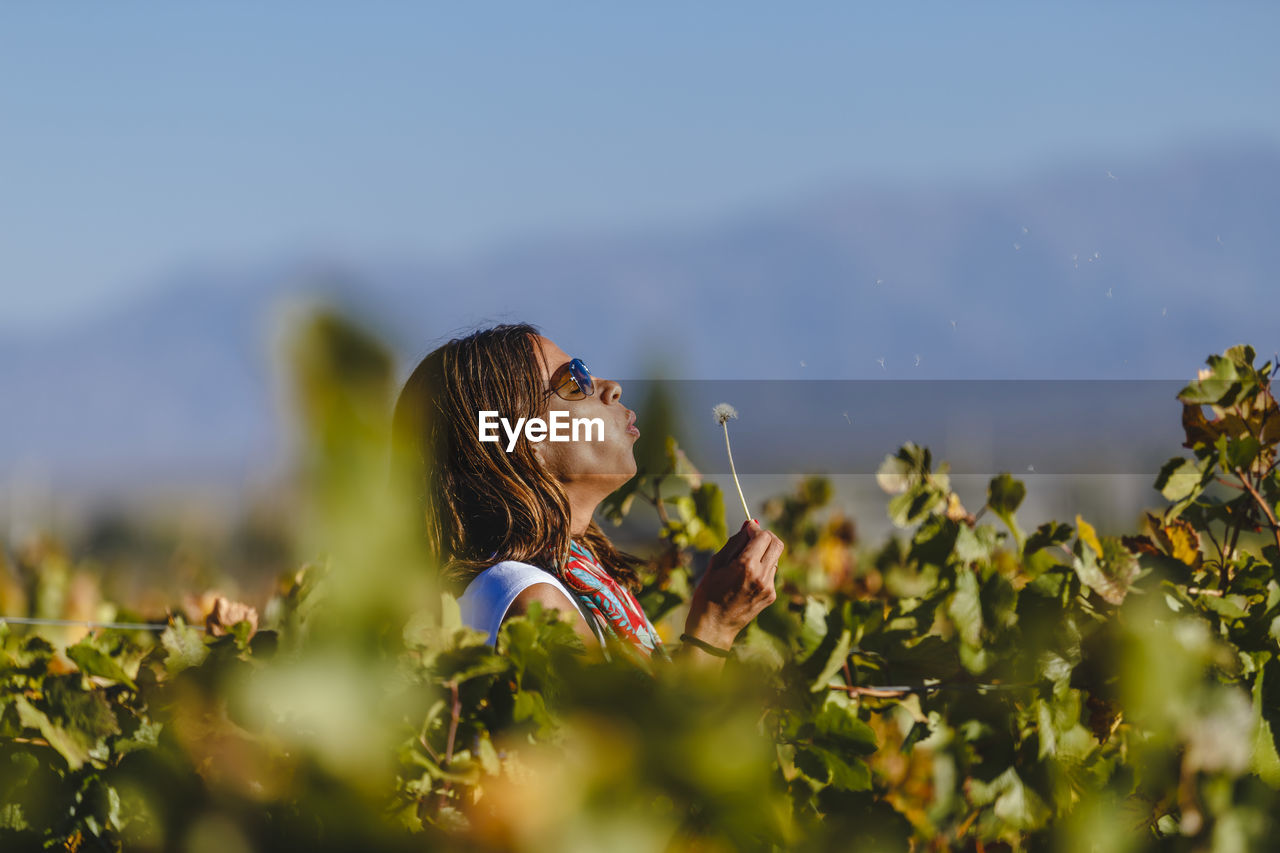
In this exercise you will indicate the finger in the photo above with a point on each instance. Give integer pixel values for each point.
(773, 552)
(735, 544)
(755, 549)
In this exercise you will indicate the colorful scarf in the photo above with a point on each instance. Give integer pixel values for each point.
(613, 606)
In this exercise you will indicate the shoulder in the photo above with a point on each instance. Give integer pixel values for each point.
(554, 596)
(508, 588)
(507, 576)
(548, 595)
(495, 591)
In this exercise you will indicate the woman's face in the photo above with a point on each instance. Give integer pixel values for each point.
(604, 465)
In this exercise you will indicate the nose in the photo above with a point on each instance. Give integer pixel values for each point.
(610, 390)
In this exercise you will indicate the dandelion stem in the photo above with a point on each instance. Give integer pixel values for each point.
(734, 471)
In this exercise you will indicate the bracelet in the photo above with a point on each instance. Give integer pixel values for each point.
(705, 646)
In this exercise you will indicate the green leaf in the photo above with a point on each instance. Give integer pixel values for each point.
(1242, 451)
(92, 661)
(826, 766)
(71, 747)
(835, 661)
(185, 646)
(974, 543)
(840, 727)
(1046, 535)
(75, 722)
(1005, 494)
(895, 474)
(466, 662)
(488, 755)
(616, 506)
(1179, 478)
(532, 707)
(708, 505)
(914, 504)
(1012, 801)
(1266, 704)
(965, 608)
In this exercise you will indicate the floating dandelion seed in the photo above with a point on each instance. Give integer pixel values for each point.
(953, 325)
(1164, 312)
(917, 359)
(725, 413)
(880, 360)
(1111, 176)
(802, 364)
(1031, 468)
(846, 417)
(1097, 257)
(1017, 246)
(1108, 293)
(1219, 239)
(1024, 230)
(879, 281)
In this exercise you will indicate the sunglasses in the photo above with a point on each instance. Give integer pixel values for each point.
(572, 382)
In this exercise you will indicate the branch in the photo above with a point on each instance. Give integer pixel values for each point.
(455, 713)
(1262, 504)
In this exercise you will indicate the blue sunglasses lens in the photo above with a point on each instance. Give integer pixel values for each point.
(576, 383)
(582, 376)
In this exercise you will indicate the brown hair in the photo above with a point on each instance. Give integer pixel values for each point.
(476, 504)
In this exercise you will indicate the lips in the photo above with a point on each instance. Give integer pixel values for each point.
(631, 424)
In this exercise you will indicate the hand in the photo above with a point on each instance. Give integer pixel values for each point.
(737, 585)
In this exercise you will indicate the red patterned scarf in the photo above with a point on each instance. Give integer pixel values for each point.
(613, 606)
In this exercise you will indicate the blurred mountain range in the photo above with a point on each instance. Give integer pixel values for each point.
(1098, 270)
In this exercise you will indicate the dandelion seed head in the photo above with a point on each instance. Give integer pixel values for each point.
(724, 412)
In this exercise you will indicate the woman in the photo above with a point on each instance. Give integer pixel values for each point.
(510, 521)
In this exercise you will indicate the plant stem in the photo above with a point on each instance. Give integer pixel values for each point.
(734, 471)
(1262, 504)
(455, 713)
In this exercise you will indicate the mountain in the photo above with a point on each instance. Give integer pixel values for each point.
(1133, 270)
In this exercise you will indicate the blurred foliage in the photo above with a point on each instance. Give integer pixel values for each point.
(966, 685)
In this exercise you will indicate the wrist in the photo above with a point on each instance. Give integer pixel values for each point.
(687, 640)
(710, 631)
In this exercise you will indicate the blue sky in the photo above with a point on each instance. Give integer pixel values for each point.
(137, 139)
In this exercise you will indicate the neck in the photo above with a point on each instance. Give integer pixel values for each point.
(582, 505)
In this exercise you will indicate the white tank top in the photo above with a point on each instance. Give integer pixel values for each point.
(487, 598)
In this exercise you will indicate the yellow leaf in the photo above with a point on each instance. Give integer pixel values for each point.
(955, 509)
(1088, 535)
(1184, 544)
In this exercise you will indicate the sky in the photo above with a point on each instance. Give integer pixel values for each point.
(140, 139)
